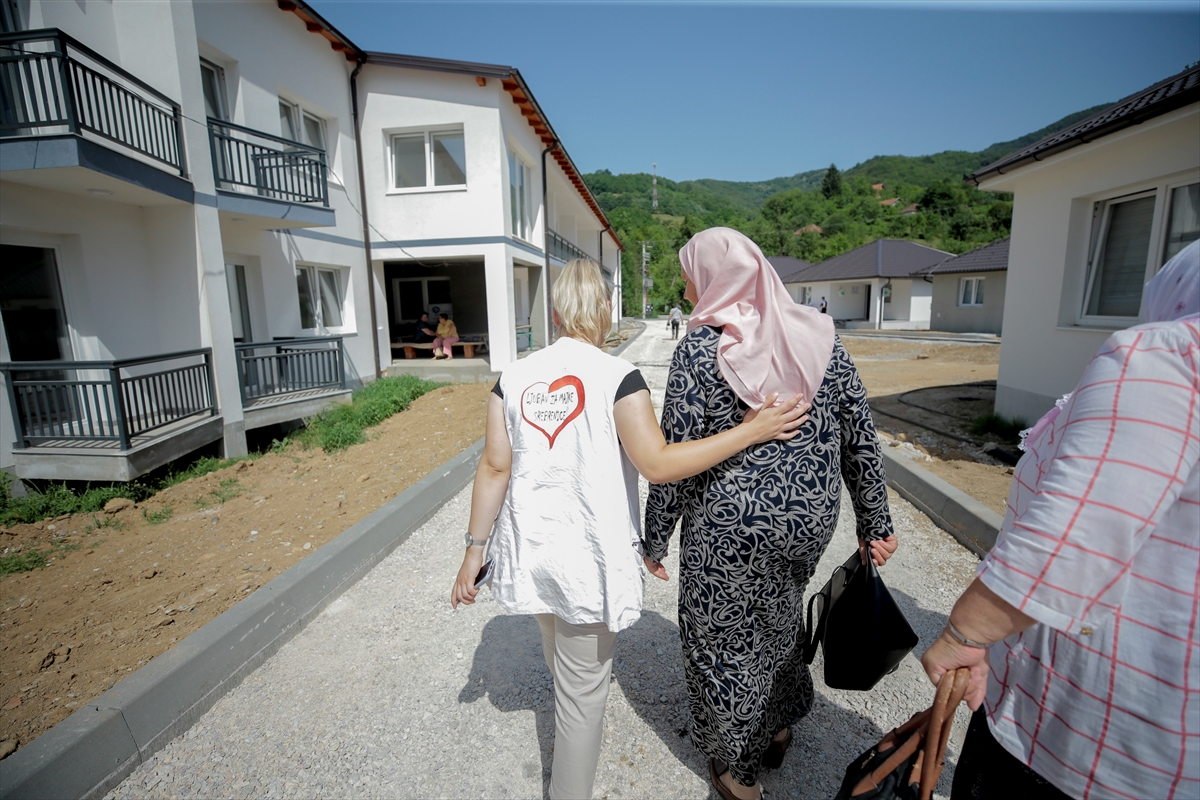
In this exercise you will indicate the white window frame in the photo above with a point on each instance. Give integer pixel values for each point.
(428, 134)
(530, 217)
(340, 279)
(223, 113)
(300, 115)
(1101, 217)
(975, 282)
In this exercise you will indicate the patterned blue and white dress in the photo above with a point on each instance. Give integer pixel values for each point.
(753, 528)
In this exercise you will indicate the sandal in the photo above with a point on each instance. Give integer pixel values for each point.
(773, 757)
(714, 775)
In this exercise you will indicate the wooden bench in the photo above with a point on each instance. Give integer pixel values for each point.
(468, 346)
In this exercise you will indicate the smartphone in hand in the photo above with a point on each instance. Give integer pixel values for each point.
(485, 572)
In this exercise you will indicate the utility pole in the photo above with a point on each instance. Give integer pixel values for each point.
(654, 188)
(647, 282)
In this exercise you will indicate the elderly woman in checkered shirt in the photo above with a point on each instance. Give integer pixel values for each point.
(1083, 625)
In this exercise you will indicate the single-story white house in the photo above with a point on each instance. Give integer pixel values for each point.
(873, 286)
(1098, 208)
(968, 290)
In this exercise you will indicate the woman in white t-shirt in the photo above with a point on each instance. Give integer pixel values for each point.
(568, 428)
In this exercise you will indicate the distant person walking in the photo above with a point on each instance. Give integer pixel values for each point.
(1081, 628)
(554, 495)
(676, 318)
(824, 306)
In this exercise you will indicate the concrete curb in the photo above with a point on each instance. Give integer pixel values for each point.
(95, 748)
(969, 521)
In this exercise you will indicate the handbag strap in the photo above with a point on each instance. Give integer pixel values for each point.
(917, 727)
(950, 691)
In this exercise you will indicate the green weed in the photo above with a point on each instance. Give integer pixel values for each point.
(1007, 430)
(160, 516)
(228, 490)
(339, 427)
(33, 559)
(22, 562)
(103, 522)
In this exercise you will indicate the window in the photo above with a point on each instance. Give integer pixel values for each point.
(300, 126)
(212, 81)
(970, 292)
(429, 159)
(320, 292)
(518, 195)
(1132, 237)
(415, 296)
(806, 295)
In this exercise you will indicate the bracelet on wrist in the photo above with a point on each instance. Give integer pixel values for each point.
(957, 636)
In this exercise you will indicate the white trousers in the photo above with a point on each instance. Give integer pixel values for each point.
(580, 659)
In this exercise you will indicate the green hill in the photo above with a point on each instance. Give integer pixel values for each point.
(706, 195)
(799, 216)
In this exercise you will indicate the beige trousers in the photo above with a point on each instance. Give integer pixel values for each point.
(580, 659)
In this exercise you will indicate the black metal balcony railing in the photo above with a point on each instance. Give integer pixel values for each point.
(272, 369)
(563, 250)
(271, 165)
(97, 401)
(50, 81)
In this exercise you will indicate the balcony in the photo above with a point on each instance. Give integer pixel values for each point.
(65, 108)
(110, 420)
(563, 250)
(259, 174)
(291, 378)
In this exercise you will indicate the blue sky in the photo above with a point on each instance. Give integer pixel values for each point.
(751, 91)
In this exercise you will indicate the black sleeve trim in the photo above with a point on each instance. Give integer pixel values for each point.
(496, 390)
(633, 382)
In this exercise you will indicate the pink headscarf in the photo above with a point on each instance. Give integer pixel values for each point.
(769, 343)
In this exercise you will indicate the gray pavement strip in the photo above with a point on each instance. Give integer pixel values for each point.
(91, 751)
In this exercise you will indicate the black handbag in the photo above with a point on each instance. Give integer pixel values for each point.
(862, 632)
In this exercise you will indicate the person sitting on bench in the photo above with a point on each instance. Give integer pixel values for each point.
(424, 333)
(447, 335)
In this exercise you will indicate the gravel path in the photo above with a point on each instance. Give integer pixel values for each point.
(390, 694)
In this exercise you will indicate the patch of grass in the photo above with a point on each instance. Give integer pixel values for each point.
(1008, 430)
(57, 500)
(339, 427)
(22, 562)
(33, 559)
(228, 490)
(202, 467)
(160, 516)
(103, 522)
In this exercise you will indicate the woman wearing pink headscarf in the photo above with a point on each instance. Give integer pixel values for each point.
(1083, 626)
(755, 525)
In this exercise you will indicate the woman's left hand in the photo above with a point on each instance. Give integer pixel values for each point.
(655, 568)
(464, 590)
(945, 655)
(881, 549)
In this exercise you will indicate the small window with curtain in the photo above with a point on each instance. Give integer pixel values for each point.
(432, 159)
(1132, 237)
(319, 290)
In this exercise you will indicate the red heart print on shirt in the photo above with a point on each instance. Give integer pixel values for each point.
(549, 407)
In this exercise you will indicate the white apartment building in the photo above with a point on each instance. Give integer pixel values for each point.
(180, 222)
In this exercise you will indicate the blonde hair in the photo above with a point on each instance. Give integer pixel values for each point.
(581, 298)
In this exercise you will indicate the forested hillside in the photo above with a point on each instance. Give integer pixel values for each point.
(812, 215)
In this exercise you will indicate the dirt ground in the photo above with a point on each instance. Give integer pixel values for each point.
(897, 375)
(120, 593)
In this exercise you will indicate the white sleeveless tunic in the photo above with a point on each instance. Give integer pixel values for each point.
(567, 538)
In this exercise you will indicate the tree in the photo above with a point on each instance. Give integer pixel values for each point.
(832, 184)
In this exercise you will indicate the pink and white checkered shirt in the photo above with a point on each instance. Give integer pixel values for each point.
(1101, 545)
